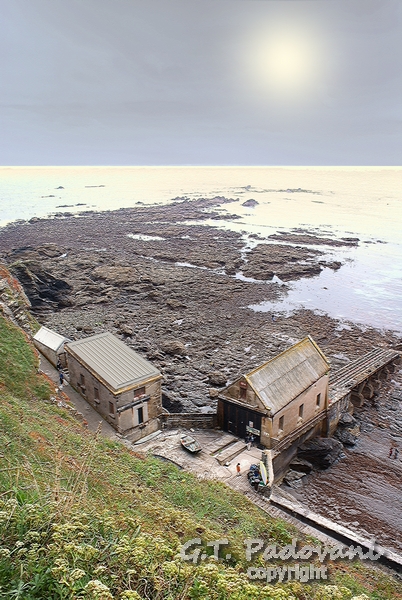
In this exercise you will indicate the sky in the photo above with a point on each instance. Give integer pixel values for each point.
(200, 82)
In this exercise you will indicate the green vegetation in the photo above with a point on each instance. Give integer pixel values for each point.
(85, 517)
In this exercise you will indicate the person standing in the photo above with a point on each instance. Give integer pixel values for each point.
(238, 469)
(61, 378)
(390, 452)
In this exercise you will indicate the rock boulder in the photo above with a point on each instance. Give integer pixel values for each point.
(321, 452)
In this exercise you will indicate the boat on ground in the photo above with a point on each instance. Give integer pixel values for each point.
(190, 444)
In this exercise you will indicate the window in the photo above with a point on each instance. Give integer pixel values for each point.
(140, 415)
(281, 423)
(318, 399)
(301, 410)
(139, 392)
(111, 408)
(243, 390)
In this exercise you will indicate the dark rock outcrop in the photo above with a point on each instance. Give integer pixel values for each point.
(217, 379)
(250, 203)
(301, 465)
(321, 452)
(43, 289)
(294, 478)
(174, 347)
(348, 430)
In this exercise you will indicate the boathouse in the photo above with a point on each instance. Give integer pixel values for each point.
(281, 403)
(51, 345)
(118, 382)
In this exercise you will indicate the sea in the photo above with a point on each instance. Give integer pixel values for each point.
(335, 202)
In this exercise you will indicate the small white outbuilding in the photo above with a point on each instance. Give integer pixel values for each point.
(51, 345)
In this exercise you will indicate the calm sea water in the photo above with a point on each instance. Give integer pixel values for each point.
(361, 202)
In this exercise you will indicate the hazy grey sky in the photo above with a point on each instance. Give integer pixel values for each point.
(202, 82)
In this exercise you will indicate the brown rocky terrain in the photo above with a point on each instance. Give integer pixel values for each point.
(165, 283)
(177, 301)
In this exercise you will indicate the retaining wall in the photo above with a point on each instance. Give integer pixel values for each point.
(189, 420)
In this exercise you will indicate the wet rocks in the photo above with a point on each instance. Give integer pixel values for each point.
(310, 238)
(294, 478)
(321, 452)
(49, 250)
(250, 203)
(286, 262)
(122, 284)
(347, 420)
(125, 329)
(42, 288)
(173, 347)
(217, 379)
(346, 437)
(116, 275)
(348, 430)
(301, 465)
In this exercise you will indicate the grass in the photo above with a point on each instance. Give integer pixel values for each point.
(85, 517)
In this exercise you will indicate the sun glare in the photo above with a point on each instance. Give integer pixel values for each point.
(287, 63)
(284, 64)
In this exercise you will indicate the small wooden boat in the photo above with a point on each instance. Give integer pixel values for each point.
(190, 444)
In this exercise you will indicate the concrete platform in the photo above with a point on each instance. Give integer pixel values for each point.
(230, 452)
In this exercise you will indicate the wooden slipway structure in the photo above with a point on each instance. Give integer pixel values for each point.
(295, 397)
(358, 381)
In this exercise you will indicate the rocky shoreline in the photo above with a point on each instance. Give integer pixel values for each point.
(177, 290)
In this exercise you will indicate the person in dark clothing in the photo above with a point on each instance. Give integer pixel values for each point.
(61, 377)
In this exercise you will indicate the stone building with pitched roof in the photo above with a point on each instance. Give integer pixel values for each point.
(281, 403)
(119, 383)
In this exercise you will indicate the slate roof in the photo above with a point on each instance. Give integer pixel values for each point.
(283, 378)
(112, 361)
(50, 338)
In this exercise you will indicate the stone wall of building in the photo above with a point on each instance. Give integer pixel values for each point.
(291, 413)
(335, 411)
(110, 406)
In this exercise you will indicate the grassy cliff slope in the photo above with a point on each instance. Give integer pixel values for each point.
(84, 517)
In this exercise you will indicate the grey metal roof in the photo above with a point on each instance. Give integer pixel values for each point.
(283, 378)
(50, 338)
(112, 360)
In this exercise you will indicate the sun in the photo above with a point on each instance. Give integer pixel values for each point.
(284, 64)
(287, 63)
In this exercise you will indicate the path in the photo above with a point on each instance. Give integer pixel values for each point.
(93, 418)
